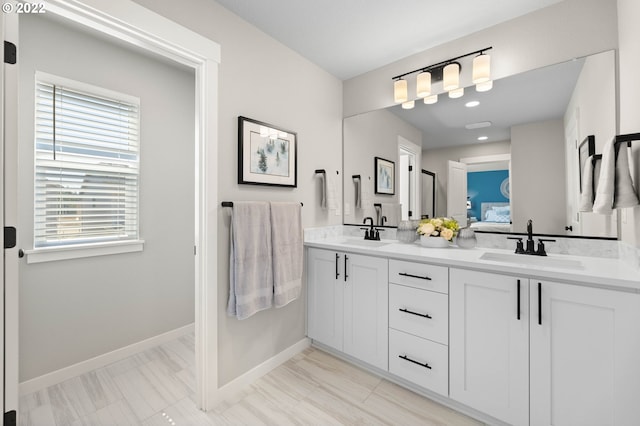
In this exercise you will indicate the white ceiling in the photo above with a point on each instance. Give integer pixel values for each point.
(350, 37)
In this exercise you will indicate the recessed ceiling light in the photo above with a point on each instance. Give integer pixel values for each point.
(483, 138)
(472, 104)
(479, 125)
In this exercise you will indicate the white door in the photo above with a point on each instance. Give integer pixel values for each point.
(366, 305)
(572, 182)
(8, 216)
(457, 192)
(325, 299)
(489, 344)
(584, 356)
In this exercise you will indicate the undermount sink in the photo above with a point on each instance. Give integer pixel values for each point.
(531, 260)
(366, 243)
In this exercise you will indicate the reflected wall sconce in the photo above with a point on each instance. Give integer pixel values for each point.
(449, 73)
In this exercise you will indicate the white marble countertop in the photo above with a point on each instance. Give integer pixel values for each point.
(581, 270)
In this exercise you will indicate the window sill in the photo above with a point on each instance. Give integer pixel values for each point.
(79, 251)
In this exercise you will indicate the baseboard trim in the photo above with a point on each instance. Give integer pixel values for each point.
(258, 371)
(58, 376)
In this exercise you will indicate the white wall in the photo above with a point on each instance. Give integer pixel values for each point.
(569, 29)
(264, 80)
(538, 178)
(435, 160)
(593, 102)
(74, 310)
(374, 134)
(629, 108)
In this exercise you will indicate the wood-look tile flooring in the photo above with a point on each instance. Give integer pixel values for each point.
(156, 388)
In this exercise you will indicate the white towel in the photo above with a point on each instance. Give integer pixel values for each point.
(323, 190)
(615, 187)
(358, 192)
(586, 195)
(250, 260)
(625, 194)
(286, 236)
(332, 191)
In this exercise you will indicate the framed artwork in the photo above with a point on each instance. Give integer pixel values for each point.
(586, 149)
(385, 173)
(267, 155)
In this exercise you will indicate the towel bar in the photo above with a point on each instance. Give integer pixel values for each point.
(230, 204)
(627, 138)
(320, 171)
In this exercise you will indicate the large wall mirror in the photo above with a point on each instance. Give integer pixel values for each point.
(518, 150)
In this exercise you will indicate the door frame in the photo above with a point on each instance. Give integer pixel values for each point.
(136, 25)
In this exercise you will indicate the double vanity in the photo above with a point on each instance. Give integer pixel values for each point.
(503, 337)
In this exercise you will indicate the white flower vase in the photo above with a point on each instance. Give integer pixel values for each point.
(433, 242)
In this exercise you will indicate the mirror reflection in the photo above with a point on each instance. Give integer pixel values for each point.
(510, 156)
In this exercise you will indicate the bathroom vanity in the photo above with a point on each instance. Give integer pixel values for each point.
(506, 338)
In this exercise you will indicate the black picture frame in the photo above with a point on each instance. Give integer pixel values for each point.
(385, 176)
(586, 149)
(267, 154)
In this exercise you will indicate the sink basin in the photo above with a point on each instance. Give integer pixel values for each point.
(529, 260)
(365, 243)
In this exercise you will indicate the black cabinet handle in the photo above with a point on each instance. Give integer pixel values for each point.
(345, 267)
(337, 272)
(518, 300)
(540, 303)
(404, 274)
(406, 358)
(415, 313)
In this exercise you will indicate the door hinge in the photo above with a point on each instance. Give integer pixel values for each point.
(10, 53)
(410, 168)
(10, 418)
(410, 213)
(10, 234)
(195, 251)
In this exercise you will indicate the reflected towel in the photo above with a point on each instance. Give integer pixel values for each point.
(250, 260)
(586, 195)
(358, 192)
(615, 187)
(286, 236)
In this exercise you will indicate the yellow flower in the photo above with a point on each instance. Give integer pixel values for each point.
(446, 233)
(426, 229)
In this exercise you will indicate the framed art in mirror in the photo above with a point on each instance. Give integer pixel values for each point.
(267, 155)
(385, 176)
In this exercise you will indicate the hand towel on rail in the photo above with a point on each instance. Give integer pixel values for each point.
(286, 237)
(250, 260)
(586, 193)
(615, 187)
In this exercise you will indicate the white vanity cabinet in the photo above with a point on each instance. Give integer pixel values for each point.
(548, 354)
(585, 344)
(419, 324)
(347, 304)
(489, 343)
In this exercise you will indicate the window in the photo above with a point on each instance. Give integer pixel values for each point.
(86, 164)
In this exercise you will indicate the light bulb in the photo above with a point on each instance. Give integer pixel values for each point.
(456, 93)
(481, 68)
(423, 84)
(408, 105)
(400, 91)
(451, 79)
(484, 87)
(431, 99)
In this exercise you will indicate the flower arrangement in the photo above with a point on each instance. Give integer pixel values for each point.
(443, 227)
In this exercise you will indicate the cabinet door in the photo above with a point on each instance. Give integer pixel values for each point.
(366, 309)
(325, 298)
(489, 344)
(584, 356)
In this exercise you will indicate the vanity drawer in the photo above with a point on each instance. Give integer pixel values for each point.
(419, 275)
(409, 357)
(419, 312)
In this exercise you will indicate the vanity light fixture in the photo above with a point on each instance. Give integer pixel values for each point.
(472, 104)
(408, 104)
(431, 99)
(456, 93)
(449, 73)
(400, 94)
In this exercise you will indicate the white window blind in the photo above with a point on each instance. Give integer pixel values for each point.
(86, 164)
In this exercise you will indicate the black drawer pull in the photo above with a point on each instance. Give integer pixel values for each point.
(415, 313)
(406, 358)
(404, 274)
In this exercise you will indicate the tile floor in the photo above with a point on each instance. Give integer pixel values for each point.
(156, 388)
